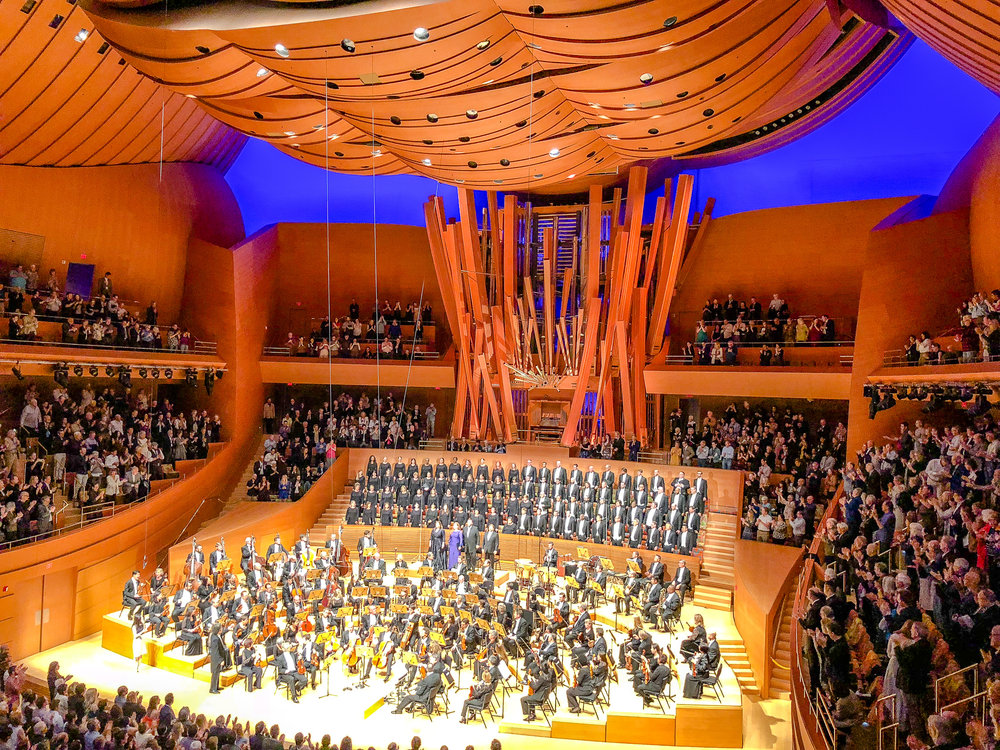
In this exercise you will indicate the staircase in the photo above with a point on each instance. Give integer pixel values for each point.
(781, 686)
(735, 655)
(718, 548)
(239, 493)
(333, 516)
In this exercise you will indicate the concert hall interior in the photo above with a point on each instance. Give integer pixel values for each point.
(495, 374)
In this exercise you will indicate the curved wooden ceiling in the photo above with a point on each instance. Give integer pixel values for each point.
(967, 33)
(549, 97)
(67, 98)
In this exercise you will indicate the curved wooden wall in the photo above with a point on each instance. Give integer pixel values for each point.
(605, 83)
(69, 99)
(81, 213)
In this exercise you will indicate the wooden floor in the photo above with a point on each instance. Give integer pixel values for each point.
(345, 712)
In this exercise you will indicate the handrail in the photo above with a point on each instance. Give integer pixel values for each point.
(937, 683)
(87, 517)
(199, 347)
(779, 665)
(881, 728)
(897, 358)
(284, 351)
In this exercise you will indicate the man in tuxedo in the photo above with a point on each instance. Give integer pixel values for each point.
(427, 688)
(471, 534)
(617, 533)
(687, 541)
(700, 485)
(246, 555)
(579, 626)
(680, 484)
(551, 557)
(668, 538)
(671, 605)
(218, 555)
(519, 632)
(682, 579)
(491, 543)
(288, 673)
(655, 572)
(652, 601)
(130, 596)
(217, 655)
(559, 475)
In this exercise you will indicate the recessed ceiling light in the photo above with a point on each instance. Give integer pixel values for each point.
(464, 139)
(538, 176)
(332, 85)
(432, 117)
(376, 153)
(496, 62)
(258, 115)
(653, 131)
(505, 162)
(670, 22)
(709, 112)
(612, 136)
(202, 49)
(289, 132)
(473, 165)
(483, 44)
(498, 181)
(421, 34)
(646, 78)
(190, 96)
(282, 50)
(536, 10)
(471, 114)
(416, 75)
(570, 177)
(81, 36)
(554, 152)
(426, 162)
(261, 72)
(347, 45)
(395, 120)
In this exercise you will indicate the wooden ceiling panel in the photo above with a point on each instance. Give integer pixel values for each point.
(967, 33)
(67, 98)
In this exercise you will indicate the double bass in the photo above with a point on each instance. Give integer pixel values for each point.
(343, 561)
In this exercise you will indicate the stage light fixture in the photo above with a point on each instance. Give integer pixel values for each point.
(143, 373)
(421, 34)
(219, 374)
(282, 50)
(347, 45)
(191, 377)
(554, 153)
(78, 370)
(16, 371)
(209, 381)
(94, 371)
(60, 373)
(125, 377)
(109, 370)
(155, 372)
(168, 374)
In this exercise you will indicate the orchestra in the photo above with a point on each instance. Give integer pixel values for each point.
(303, 610)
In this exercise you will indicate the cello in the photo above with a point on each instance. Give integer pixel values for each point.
(343, 561)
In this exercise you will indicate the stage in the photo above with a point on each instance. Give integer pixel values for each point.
(687, 723)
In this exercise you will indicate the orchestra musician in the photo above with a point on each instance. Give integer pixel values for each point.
(584, 687)
(130, 595)
(158, 581)
(479, 696)
(217, 556)
(249, 665)
(701, 671)
(542, 682)
(428, 686)
(288, 671)
(218, 655)
(652, 682)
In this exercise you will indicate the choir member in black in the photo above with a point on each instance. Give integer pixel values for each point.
(247, 665)
(538, 690)
(479, 696)
(288, 671)
(655, 683)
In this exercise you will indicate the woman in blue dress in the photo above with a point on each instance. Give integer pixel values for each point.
(456, 542)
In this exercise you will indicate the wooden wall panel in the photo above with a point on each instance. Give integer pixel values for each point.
(404, 265)
(930, 267)
(82, 215)
(770, 382)
(760, 252)
(762, 572)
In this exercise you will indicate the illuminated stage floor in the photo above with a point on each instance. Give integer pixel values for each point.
(765, 723)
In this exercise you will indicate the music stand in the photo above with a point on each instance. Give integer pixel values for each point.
(582, 553)
(321, 640)
(363, 652)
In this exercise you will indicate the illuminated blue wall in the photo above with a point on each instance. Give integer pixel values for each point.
(901, 138)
